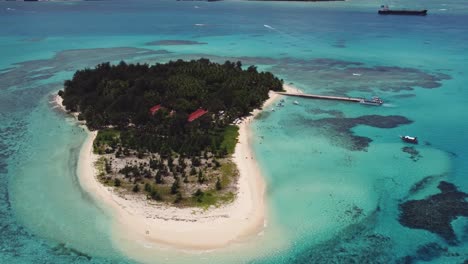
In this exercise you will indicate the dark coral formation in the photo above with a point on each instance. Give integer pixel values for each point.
(359, 248)
(339, 77)
(328, 75)
(358, 243)
(175, 42)
(428, 252)
(422, 184)
(354, 212)
(340, 128)
(414, 154)
(334, 113)
(401, 96)
(19, 97)
(62, 249)
(26, 73)
(436, 212)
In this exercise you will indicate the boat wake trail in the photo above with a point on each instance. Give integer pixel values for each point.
(389, 105)
(281, 32)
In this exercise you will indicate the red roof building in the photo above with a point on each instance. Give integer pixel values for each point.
(196, 114)
(154, 109)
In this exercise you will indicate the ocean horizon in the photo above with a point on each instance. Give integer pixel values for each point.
(336, 173)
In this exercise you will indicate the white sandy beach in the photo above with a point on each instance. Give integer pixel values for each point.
(139, 222)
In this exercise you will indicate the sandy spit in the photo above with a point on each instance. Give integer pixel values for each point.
(138, 222)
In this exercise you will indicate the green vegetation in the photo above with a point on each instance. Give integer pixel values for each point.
(106, 138)
(120, 96)
(117, 182)
(147, 142)
(209, 198)
(219, 186)
(228, 172)
(231, 133)
(100, 166)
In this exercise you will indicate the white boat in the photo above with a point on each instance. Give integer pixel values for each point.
(296, 102)
(374, 101)
(408, 139)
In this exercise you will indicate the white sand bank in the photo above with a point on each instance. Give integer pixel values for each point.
(139, 222)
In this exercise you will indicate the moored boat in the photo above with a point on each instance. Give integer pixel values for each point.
(408, 139)
(384, 10)
(374, 101)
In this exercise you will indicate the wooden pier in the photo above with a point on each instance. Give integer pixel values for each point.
(323, 97)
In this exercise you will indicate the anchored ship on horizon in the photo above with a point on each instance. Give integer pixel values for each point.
(384, 10)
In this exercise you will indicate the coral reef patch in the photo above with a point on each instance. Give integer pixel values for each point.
(62, 249)
(340, 128)
(414, 154)
(358, 243)
(427, 252)
(340, 77)
(334, 113)
(424, 183)
(26, 73)
(170, 42)
(436, 212)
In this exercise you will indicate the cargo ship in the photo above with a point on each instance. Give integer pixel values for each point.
(384, 10)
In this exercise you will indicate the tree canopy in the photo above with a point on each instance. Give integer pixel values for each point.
(122, 95)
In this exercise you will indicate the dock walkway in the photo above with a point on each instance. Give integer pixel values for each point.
(324, 97)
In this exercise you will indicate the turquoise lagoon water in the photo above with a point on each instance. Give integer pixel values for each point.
(332, 192)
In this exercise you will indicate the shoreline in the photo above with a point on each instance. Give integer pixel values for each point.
(139, 223)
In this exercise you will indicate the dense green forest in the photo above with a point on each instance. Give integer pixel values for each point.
(151, 142)
(121, 96)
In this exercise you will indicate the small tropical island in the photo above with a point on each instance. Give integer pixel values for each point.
(168, 153)
(167, 131)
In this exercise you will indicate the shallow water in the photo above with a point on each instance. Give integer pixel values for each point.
(334, 177)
